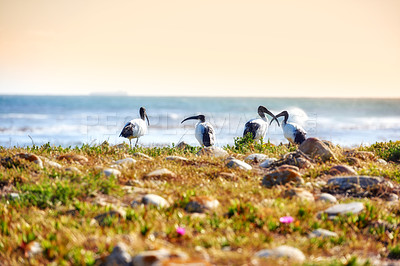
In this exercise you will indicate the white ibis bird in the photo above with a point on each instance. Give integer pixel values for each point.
(136, 127)
(204, 132)
(258, 127)
(292, 132)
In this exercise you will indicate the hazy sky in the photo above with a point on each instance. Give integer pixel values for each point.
(343, 48)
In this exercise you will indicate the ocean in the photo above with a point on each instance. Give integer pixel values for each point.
(77, 120)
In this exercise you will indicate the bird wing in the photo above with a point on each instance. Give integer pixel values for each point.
(251, 128)
(127, 131)
(208, 135)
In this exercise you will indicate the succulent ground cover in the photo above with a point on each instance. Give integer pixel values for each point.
(75, 205)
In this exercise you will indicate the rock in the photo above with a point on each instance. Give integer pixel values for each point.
(282, 252)
(226, 175)
(389, 197)
(125, 162)
(110, 172)
(282, 176)
(354, 207)
(255, 158)
(74, 157)
(31, 157)
(201, 204)
(316, 149)
(353, 161)
(296, 158)
(348, 182)
(327, 198)
(101, 218)
(72, 169)
(299, 193)
(152, 199)
(342, 170)
(142, 155)
(381, 161)
(119, 256)
(176, 158)
(156, 257)
(52, 164)
(322, 233)
(14, 196)
(234, 163)
(267, 162)
(161, 173)
(182, 145)
(32, 248)
(364, 155)
(212, 151)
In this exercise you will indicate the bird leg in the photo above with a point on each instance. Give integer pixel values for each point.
(136, 141)
(130, 144)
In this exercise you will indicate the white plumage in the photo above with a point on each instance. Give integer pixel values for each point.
(136, 127)
(258, 127)
(292, 132)
(204, 131)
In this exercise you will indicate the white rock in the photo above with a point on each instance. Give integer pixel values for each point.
(53, 164)
(267, 162)
(322, 233)
(327, 197)
(256, 157)
(381, 161)
(161, 173)
(152, 199)
(234, 163)
(126, 161)
(34, 248)
(142, 155)
(353, 207)
(119, 256)
(282, 252)
(109, 172)
(213, 151)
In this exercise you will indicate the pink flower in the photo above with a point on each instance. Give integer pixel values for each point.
(180, 231)
(286, 219)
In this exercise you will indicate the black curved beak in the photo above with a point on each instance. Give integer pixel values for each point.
(265, 110)
(148, 122)
(196, 117)
(283, 113)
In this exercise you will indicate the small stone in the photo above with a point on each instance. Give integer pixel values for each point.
(110, 172)
(31, 157)
(299, 193)
(226, 175)
(152, 199)
(267, 162)
(176, 158)
(354, 207)
(74, 157)
(234, 163)
(142, 155)
(342, 170)
(52, 164)
(282, 252)
(255, 158)
(212, 151)
(282, 176)
(322, 233)
(126, 162)
(392, 197)
(13, 195)
(182, 145)
(161, 173)
(72, 169)
(119, 256)
(381, 161)
(33, 248)
(316, 149)
(156, 257)
(102, 217)
(327, 198)
(201, 204)
(352, 161)
(348, 182)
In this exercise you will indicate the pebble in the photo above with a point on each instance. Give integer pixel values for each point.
(110, 172)
(152, 199)
(299, 193)
(126, 161)
(347, 182)
(101, 217)
(142, 155)
(235, 163)
(201, 204)
(282, 176)
(14, 195)
(161, 173)
(267, 162)
(74, 157)
(176, 159)
(32, 158)
(354, 207)
(182, 145)
(119, 256)
(33, 248)
(227, 175)
(72, 169)
(53, 164)
(156, 257)
(327, 198)
(213, 151)
(342, 169)
(381, 161)
(322, 233)
(282, 252)
(316, 149)
(256, 158)
(392, 197)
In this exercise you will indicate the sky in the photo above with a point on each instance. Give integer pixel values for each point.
(343, 48)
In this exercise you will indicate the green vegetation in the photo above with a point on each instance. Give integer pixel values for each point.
(59, 208)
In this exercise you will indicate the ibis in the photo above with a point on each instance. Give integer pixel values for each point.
(292, 131)
(258, 127)
(204, 132)
(136, 127)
